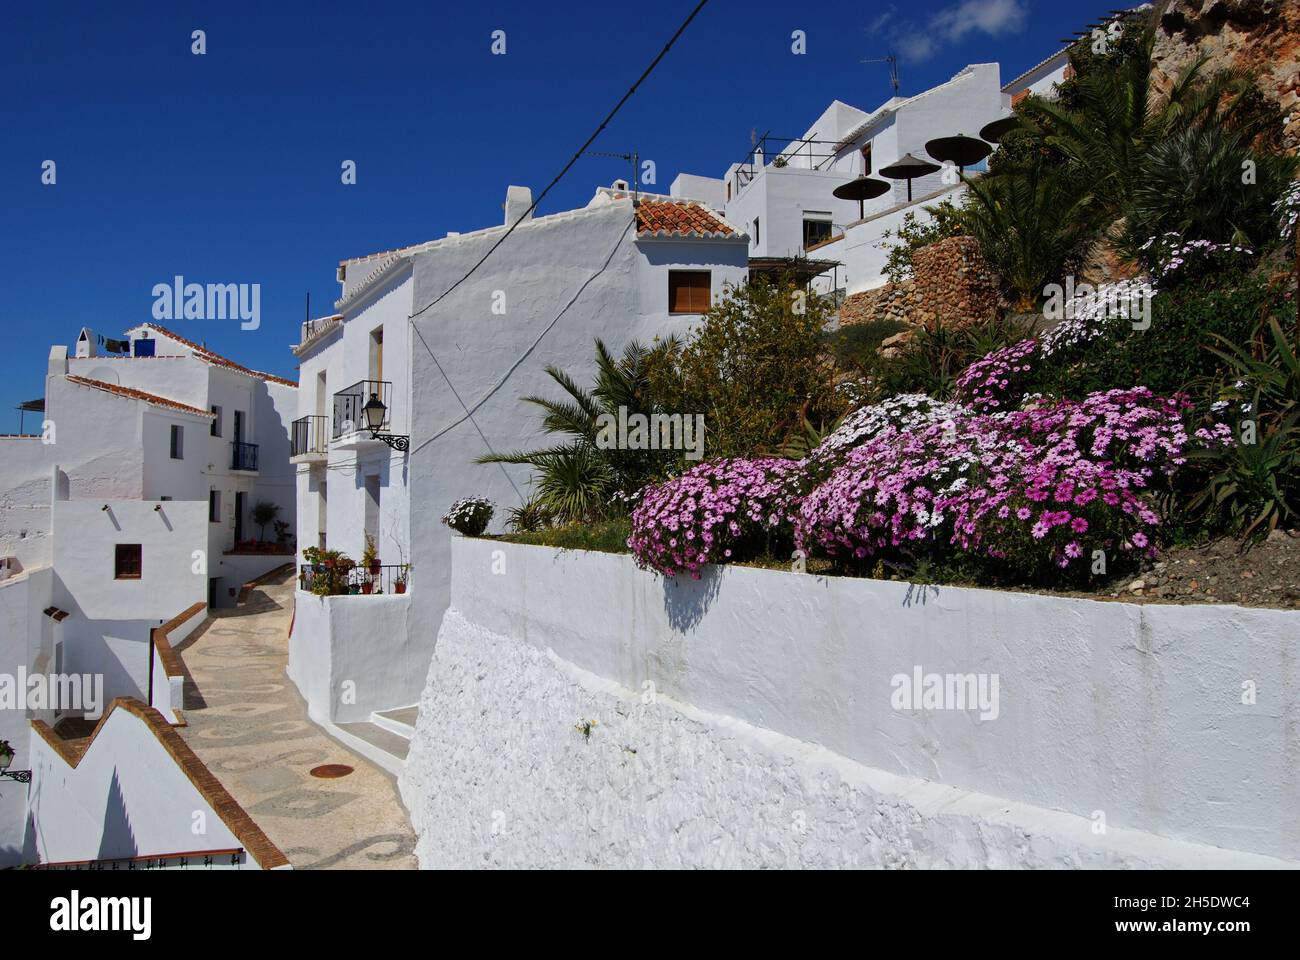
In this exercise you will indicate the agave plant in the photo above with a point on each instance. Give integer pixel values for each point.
(577, 478)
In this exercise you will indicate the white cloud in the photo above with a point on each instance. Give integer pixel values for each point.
(917, 40)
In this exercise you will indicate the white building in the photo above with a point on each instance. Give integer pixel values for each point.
(127, 510)
(452, 377)
(784, 200)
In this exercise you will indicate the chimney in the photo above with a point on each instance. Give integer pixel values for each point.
(86, 343)
(518, 200)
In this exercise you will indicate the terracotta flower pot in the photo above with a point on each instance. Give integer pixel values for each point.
(399, 587)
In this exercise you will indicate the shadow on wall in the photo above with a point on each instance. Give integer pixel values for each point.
(686, 601)
(118, 839)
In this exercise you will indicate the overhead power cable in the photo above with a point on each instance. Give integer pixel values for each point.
(574, 159)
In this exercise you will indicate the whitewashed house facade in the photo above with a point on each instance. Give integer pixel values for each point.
(453, 378)
(784, 201)
(124, 512)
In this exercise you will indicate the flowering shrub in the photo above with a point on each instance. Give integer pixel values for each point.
(470, 515)
(996, 380)
(1174, 259)
(1079, 488)
(1097, 314)
(712, 513)
(908, 411)
(897, 492)
(1050, 484)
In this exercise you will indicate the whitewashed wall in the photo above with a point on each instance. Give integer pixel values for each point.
(127, 797)
(85, 535)
(22, 600)
(25, 469)
(1133, 711)
(352, 655)
(864, 250)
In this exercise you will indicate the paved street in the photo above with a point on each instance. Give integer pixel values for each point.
(247, 722)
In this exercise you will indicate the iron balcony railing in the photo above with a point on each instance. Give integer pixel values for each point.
(310, 435)
(334, 580)
(243, 456)
(348, 404)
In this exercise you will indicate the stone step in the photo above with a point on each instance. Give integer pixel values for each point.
(400, 721)
(379, 738)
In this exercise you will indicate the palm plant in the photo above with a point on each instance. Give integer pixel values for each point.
(1033, 227)
(576, 478)
(1192, 184)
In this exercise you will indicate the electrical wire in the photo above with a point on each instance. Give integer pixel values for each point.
(574, 159)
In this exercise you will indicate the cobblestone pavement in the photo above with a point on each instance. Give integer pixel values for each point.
(247, 722)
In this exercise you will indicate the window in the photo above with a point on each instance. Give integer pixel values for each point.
(178, 442)
(377, 353)
(815, 230)
(688, 291)
(214, 506)
(756, 233)
(126, 561)
(866, 160)
(216, 421)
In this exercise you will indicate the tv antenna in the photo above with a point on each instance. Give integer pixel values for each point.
(892, 60)
(632, 158)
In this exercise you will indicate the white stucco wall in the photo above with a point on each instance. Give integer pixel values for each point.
(499, 776)
(125, 798)
(864, 250)
(22, 600)
(1131, 710)
(85, 535)
(352, 655)
(25, 470)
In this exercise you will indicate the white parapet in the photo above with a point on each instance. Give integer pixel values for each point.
(760, 717)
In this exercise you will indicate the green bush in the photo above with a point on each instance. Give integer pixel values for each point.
(1173, 354)
(755, 368)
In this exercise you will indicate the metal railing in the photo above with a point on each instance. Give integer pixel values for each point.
(355, 581)
(780, 152)
(310, 435)
(348, 404)
(243, 456)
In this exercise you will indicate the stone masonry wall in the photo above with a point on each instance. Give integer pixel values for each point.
(952, 284)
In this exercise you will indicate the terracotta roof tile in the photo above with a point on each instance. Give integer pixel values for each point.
(133, 394)
(674, 218)
(204, 353)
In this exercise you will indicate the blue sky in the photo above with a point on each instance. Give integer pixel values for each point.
(225, 168)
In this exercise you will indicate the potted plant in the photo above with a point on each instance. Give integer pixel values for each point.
(399, 581)
(370, 557)
(6, 754)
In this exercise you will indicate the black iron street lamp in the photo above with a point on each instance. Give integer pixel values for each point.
(375, 412)
(22, 776)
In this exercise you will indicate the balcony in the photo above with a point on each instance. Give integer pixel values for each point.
(243, 456)
(350, 431)
(310, 437)
(335, 581)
